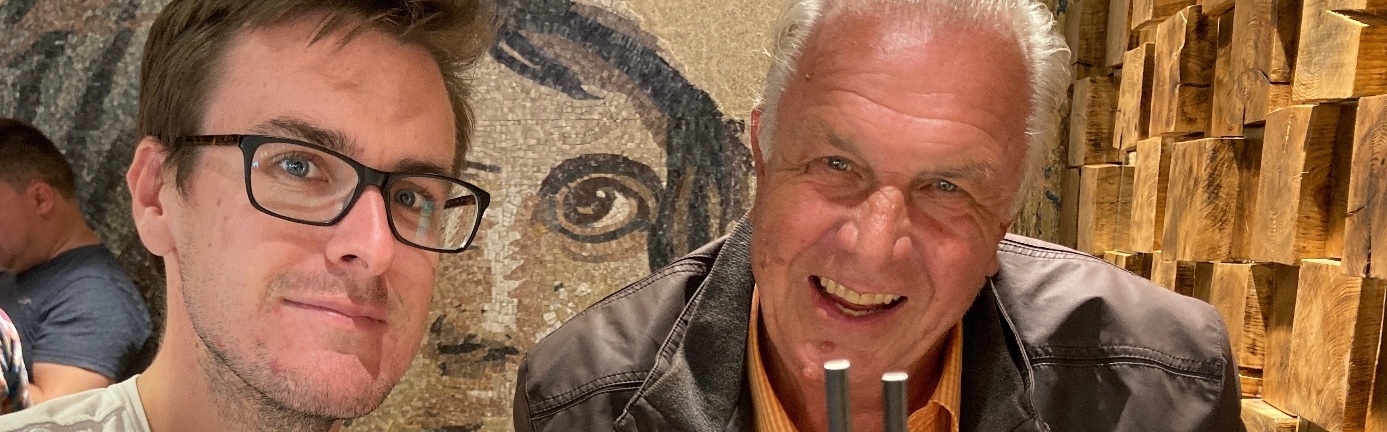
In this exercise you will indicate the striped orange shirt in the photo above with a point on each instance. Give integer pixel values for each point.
(940, 414)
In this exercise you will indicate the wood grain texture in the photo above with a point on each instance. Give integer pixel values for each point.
(1137, 263)
(1216, 7)
(1120, 36)
(1146, 13)
(1249, 172)
(1102, 223)
(1334, 343)
(1150, 180)
(1091, 122)
(1181, 92)
(1163, 271)
(1261, 51)
(1243, 293)
(1250, 386)
(1258, 416)
(1134, 97)
(1206, 202)
(1222, 121)
(1086, 31)
(1203, 282)
(1300, 211)
(1377, 401)
(1343, 50)
(1069, 208)
(1365, 231)
(1280, 283)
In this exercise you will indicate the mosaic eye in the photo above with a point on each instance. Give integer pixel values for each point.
(598, 198)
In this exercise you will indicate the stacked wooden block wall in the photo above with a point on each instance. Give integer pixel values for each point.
(1236, 151)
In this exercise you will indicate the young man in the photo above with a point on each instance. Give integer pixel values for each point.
(295, 176)
(81, 319)
(894, 145)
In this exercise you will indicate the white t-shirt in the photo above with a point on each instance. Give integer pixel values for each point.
(113, 409)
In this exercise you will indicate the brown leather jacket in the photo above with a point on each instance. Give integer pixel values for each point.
(1058, 341)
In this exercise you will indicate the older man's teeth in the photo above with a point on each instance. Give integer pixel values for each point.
(855, 298)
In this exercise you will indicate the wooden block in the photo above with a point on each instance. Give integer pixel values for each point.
(1187, 279)
(1262, 47)
(1147, 13)
(1343, 50)
(1250, 386)
(1377, 402)
(1244, 294)
(1205, 217)
(1163, 271)
(1222, 121)
(1334, 343)
(1181, 89)
(1203, 281)
(1216, 7)
(1300, 211)
(1120, 36)
(1150, 180)
(1258, 416)
(1086, 30)
(1365, 231)
(1280, 283)
(1137, 263)
(1091, 122)
(1101, 202)
(1134, 97)
(1069, 208)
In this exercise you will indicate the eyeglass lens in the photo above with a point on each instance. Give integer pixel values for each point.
(306, 184)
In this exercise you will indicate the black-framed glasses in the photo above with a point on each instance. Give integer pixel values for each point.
(306, 183)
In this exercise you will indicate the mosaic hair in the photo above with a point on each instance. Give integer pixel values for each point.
(27, 155)
(1030, 23)
(188, 40)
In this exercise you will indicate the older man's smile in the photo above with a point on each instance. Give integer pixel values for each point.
(853, 303)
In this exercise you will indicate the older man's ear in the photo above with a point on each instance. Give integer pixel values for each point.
(758, 161)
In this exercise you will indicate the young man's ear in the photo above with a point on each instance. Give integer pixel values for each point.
(147, 182)
(757, 160)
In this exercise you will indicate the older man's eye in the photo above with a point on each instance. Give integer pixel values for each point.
(838, 164)
(945, 186)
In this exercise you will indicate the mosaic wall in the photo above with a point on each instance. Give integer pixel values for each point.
(611, 135)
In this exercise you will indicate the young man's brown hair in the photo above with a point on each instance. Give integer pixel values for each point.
(26, 155)
(186, 45)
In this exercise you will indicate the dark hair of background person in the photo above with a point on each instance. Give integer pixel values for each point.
(188, 40)
(26, 155)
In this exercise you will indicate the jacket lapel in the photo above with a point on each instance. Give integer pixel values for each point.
(994, 390)
(698, 383)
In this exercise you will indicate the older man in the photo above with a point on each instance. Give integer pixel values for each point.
(295, 175)
(893, 146)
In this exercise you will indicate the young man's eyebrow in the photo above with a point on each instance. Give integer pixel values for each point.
(296, 128)
(416, 166)
(291, 127)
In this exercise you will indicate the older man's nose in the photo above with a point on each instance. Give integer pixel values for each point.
(876, 232)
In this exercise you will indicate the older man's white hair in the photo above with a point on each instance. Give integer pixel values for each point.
(1031, 23)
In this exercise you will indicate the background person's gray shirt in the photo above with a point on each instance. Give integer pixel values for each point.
(80, 309)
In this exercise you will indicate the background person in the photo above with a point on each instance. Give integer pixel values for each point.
(81, 319)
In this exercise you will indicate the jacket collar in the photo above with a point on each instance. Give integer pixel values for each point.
(699, 381)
